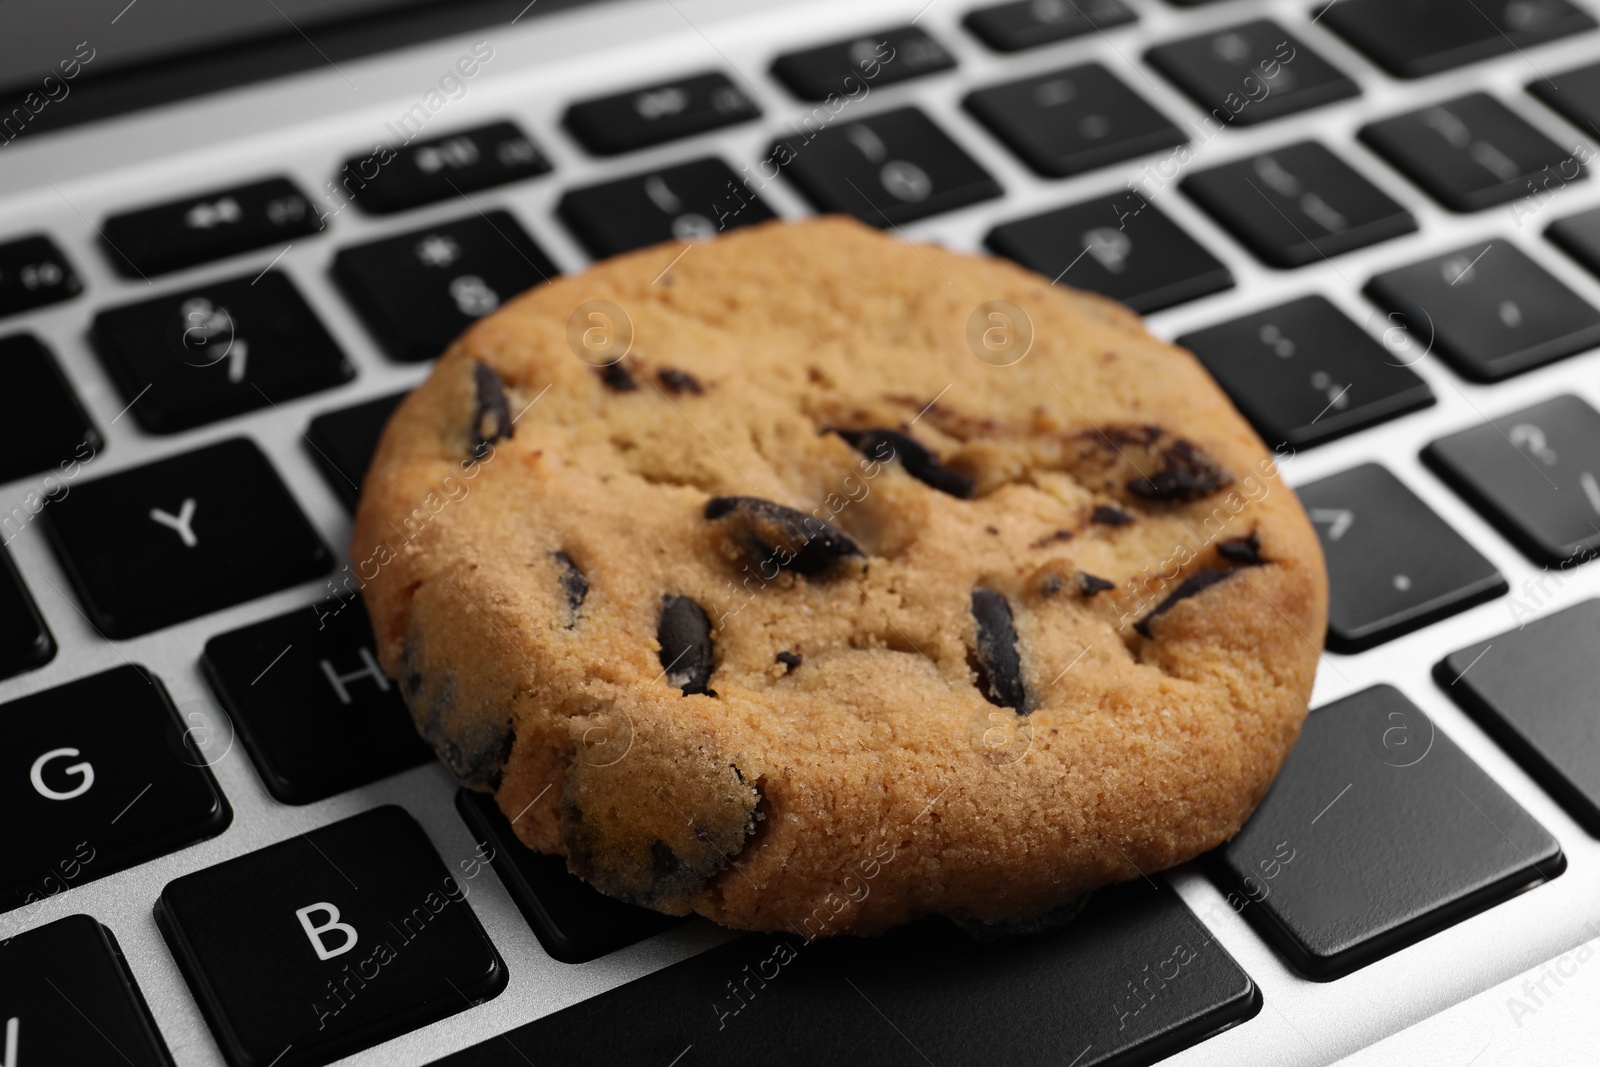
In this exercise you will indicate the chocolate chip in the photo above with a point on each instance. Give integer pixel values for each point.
(685, 636)
(617, 377)
(491, 417)
(1186, 473)
(1052, 538)
(1245, 551)
(915, 457)
(574, 583)
(678, 382)
(1089, 585)
(1195, 583)
(790, 660)
(994, 655)
(1107, 515)
(774, 535)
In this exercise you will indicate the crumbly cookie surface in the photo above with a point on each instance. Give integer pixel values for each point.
(820, 609)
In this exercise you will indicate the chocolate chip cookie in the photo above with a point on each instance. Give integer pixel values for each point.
(809, 579)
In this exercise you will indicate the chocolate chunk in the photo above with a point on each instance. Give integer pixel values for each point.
(491, 417)
(1052, 538)
(994, 655)
(790, 660)
(1186, 474)
(1195, 583)
(1106, 515)
(1089, 585)
(678, 382)
(777, 536)
(918, 461)
(1245, 551)
(685, 636)
(618, 377)
(574, 583)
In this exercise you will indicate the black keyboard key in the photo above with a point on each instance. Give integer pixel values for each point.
(852, 67)
(657, 113)
(1535, 474)
(1073, 120)
(688, 202)
(1579, 237)
(1298, 204)
(42, 423)
(1135, 978)
(1488, 309)
(1393, 565)
(98, 775)
(1470, 153)
(889, 169)
(1575, 94)
(573, 922)
(210, 225)
(25, 640)
(1532, 689)
(1378, 832)
(426, 171)
(217, 350)
(1020, 24)
(1303, 373)
(59, 976)
(418, 291)
(328, 942)
(33, 273)
(1415, 38)
(1250, 73)
(342, 443)
(314, 708)
(183, 536)
(1120, 246)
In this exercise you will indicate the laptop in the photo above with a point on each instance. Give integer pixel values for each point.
(234, 235)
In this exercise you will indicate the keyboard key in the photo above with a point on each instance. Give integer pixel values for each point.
(1072, 120)
(1422, 37)
(342, 443)
(1134, 979)
(573, 922)
(1250, 73)
(1021, 24)
(1377, 833)
(25, 640)
(1469, 153)
(688, 202)
(1120, 246)
(313, 706)
(1579, 237)
(1488, 309)
(33, 273)
(217, 350)
(210, 225)
(1574, 93)
(1393, 565)
(418, 291)
(42, 422)
(1298, 204)
(1303, 373)
(1533, 688)
(848, 67)
(60, 976)
(655, 114)
(154, 545)
(890, 169)
(96, 776)
(1533, 474)
(328, 942)
(427, 171)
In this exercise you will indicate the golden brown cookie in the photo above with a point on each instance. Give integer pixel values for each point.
(820, 581)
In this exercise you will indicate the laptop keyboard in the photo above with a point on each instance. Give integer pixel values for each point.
(1350, 251)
